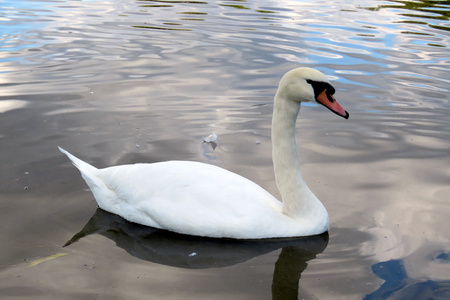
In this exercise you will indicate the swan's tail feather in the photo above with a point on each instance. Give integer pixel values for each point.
(93, 178)
(84, 167)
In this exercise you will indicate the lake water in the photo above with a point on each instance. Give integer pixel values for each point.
(118, 82)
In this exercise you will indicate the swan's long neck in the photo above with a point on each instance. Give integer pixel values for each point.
(298, 200)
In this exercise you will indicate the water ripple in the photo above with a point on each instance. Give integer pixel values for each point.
(106, 76)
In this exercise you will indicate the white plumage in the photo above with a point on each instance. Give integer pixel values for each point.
(205, 200)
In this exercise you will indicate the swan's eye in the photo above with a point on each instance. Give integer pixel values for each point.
(320, 86)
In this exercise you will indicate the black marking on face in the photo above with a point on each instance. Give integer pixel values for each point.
(320, 86)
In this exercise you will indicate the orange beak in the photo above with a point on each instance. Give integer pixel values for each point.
(329, 102)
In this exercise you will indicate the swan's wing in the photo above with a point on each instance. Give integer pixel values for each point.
(187, 197)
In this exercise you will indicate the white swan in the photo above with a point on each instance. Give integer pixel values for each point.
(204, 200)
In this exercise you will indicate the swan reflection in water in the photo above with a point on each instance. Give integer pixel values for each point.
(192, 252)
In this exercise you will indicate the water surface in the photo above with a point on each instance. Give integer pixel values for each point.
(120, 82)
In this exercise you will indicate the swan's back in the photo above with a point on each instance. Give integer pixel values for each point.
(189, 197)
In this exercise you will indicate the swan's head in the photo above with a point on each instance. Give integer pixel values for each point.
(309, 85)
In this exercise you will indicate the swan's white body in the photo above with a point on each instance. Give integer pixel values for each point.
(200, 199)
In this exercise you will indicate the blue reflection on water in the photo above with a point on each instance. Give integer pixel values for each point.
(17, 20)
(398, 285)
(345, 80)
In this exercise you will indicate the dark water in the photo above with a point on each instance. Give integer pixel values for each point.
(118, 82)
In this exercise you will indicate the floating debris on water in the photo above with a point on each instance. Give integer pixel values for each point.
(210, 138)
(41, 260)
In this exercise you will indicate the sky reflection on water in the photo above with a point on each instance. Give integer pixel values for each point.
(141, 81)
